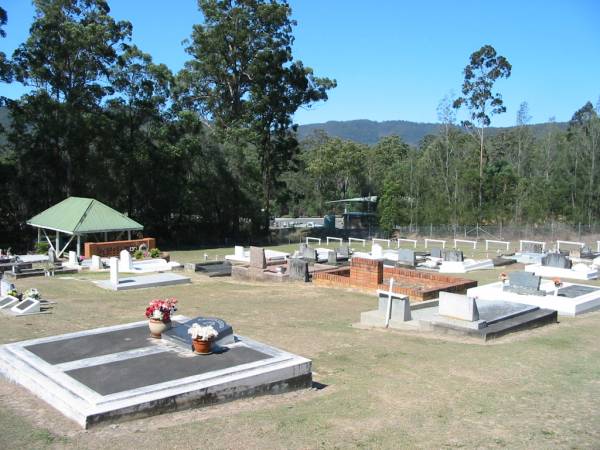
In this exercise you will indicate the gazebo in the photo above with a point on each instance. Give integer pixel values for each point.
(78, 216)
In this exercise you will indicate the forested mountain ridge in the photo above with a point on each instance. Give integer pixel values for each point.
(370, 132)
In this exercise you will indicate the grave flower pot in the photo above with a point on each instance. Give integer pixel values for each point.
(157, 327)
(202, 347)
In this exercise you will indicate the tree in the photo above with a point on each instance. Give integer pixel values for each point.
(244, 79)
(67, 60)
(5, 69)
(484, 69)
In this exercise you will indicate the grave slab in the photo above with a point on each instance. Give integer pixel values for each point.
(144, 376)
(578, 272)
(564, 302)
(145, 281)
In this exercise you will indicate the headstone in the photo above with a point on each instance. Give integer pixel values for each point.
(454, 256)
(8, 301)
(257, 258)
(298, 269)
(526, 283)
(96, 263)
(5, 287)
(16, 268)
(73, 261)
(238, 252)
(556, 260)
(343, 252)
(377, 251)
(51, 255)
(407, 257)
(530, 247)
(27, 306)
(125, 261)
(400, 306)
(114, 271)
(458, 306)
(575, 253)
(332, 257)
(436, 252)
(308, 253)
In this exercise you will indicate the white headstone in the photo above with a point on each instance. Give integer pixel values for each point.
(239, 251)
(5, 286)
(125, 261)
(73, 261)
(458, 306)
(114, 271)
(377, 251)
(51, 255)
(96, 263)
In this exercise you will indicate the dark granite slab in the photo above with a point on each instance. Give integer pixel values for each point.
(89, 346)
(148, 370)
(491, 310)
(576, 290)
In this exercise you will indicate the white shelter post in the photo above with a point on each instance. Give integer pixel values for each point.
(78, 245)
(56, 246)
(39, 235)
(128, 235)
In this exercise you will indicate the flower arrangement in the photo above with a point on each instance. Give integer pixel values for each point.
(13, 292)
(161, 309)
(503, 277)
(557, 282)
(201, 333)
(32, 293)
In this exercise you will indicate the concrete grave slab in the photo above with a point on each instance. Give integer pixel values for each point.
(144, 281)
(578, 272)
(142, 376)
(458, 306)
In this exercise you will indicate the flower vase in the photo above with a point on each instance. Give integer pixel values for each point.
(157, 327)
(202, 347)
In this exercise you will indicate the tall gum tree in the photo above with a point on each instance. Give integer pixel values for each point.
(244, 80)
(484, 69)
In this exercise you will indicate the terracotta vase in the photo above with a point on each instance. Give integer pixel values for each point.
(157, 327)
(202, 347)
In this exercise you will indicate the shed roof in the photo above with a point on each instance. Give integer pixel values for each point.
(79, 215)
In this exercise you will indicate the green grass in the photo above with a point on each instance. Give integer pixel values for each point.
(537, 389)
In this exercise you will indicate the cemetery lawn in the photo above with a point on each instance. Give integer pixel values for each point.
(374, 389)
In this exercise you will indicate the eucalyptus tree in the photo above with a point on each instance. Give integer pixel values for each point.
(244, 79)
(484, 69)
(66, 61)
(5, 69)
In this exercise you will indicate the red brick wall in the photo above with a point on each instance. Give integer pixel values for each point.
(113, 248)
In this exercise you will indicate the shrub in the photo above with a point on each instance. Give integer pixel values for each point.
(138, 254)
(41, 248)
(154, 253)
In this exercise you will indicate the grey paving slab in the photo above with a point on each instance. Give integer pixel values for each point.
(66, 350)
(575, 290)
(144, 371)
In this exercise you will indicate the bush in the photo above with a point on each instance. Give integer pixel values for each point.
(41, 248)
(138, 254)
(154, 253)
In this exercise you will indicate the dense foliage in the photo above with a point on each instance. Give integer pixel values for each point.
(210, 153)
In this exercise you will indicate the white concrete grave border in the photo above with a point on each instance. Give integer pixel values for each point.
(83, 405)
(351, 240)
(542, 243)
(579, 244)
(413, 241)
(329, 238)
(491, 241)
(466, 241)
(439, 241)
(377, 240)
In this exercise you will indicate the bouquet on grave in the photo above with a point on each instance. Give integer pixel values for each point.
(32, 293)
(202, 333)
(161, 309)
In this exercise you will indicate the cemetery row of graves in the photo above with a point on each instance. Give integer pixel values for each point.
(175, 361)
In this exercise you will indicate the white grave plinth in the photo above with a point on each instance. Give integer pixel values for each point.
(125, 261)
(458, 306)
(578, 272)
(27, 306)
(8, 301)
(564, 305)
(114, 271)
(96, 263)
(468, 265)
(5, 286)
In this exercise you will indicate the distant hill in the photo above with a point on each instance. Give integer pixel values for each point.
(369, 132)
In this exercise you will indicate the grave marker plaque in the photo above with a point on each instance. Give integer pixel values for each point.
(436, 252)
(526, 283)
(257, 258)
(298, 269)
(454, 256)
(407, 257)
(556, 260)
(343, 252)
(332, 257)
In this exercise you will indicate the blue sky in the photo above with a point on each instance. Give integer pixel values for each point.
(395, 60)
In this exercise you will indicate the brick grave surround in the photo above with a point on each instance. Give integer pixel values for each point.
(113, 248)
(369, 275)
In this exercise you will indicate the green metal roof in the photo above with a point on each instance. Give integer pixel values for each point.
(78, 215)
